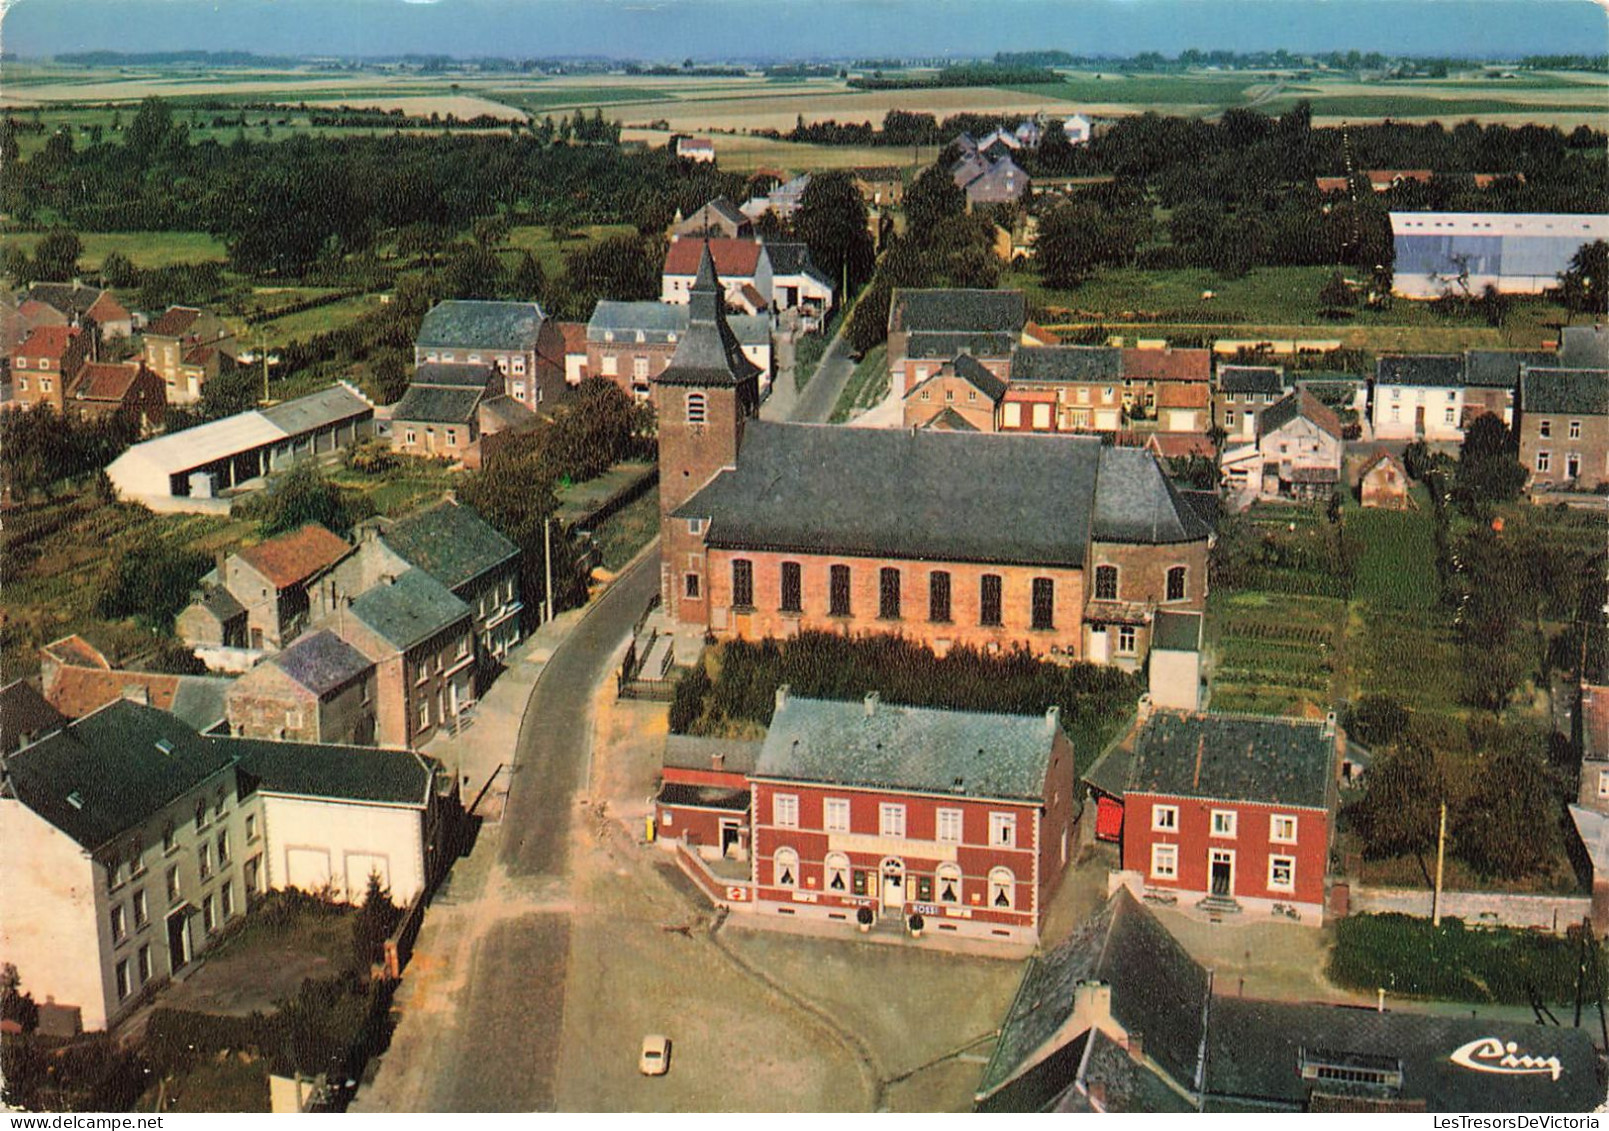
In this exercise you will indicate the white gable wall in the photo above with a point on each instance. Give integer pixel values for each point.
(312, 841)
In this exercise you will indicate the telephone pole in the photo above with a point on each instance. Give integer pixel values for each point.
(1441, 860)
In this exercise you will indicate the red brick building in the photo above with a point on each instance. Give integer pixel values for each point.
(905, 817)
(1232, 812)
(46, 364)
(121, 388)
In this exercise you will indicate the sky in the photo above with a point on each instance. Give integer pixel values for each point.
(763, 29)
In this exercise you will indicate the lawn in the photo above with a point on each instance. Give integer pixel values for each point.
(867, 385)
(144, 249)
(538, 240)
(622, 535)
(1397, 568)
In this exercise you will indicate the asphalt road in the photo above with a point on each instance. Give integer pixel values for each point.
(816, 402)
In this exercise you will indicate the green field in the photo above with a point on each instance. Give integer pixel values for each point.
(144, 249)
(1160, 91)
(538, 240)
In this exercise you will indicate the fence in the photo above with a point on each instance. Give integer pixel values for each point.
(1553, 913)
(719, 891)
(399, 947)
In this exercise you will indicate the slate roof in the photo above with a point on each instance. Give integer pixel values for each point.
(438, 404)
(454, 375)
(656, 320)
(408, 610)
(1441, 371)
(1095, 365)
(957, 309)
(321, 662)
(1581, 391)
(788, 258)
(1299, 403)
(374, 774)
(1176, 631)
(1251, 379)
(733, 258)
(174, 322)
(1254, 1050)
(1167, 364)
(68, 298)
(882, 745)
(703, 796)
(1233, 758)
(687, 752)
(450, 542)
(486, 325)
(322, 409)
(25, 715)
(1500, 369)
(290, 559)
(1158, 990)
(105, 774)
(1125, 1085)
(1005, 180)
(222, 604)
(709, 353)
(945, 344)
(1135, 502)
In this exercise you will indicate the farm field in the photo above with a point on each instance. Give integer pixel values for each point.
(744, 153)
(144, 249)
(1276, 653)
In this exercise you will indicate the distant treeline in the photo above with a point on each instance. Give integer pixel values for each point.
(174, 58)
(1566, 62)
(968, 74)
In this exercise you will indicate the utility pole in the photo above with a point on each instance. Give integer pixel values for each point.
(1441, 860)
(547, 554)
(262, 350)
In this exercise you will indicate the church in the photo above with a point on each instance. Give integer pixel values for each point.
(1057, 545)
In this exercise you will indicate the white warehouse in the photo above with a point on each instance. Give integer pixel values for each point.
(1521, 253)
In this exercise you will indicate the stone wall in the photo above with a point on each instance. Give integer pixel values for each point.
(1477, 908)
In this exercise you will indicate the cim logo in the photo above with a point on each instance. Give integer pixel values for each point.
(1490, 1054)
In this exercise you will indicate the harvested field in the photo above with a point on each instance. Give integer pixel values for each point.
(459, 105)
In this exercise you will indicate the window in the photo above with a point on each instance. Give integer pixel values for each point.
(201, 813)
(989, 601)
(938, 596)
(1106, 583)
(173, 884)
(123, 986)
(835, 815)
(1002, 889)
(251, 828)
(223, 849)
(785, 810)
(1164, 861)
(1003, 830)
(927, 395)
(424, 715)
(639, 368)
(837, 873)
(949, 877)
(949, 395)
(114, 874)
(226, 900)
(1223, 822)
(1282, 873)
(949, 826)
(1229, 418)
(792, 588)
(1575, 429)
(888, 593)
(1044, 603)
(249, 875)
(1125, 639)
(1543, 461)
(1176, 577)
(1164, 818)
(891, 820)
(1545, 429)
(690, 586)
(1449, 415)
(785, 868)
(209, 915)
(142, 914)
(22, 384)
(204, 860)
(742, 583)
(1282, 829)
(838, 591)
(452, 437)
(1603, 783)
(119, 926)
(145, 964)
(697, 408)
(972, 394)
(44, 384)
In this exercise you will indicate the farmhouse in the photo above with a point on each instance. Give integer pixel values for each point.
(517, 337)
(1297, 453)
(719, 219)
(73, 304)
(1564, 426)
(187, 470)
(742, 264)
(186, 347)
(1464, 252)
(276, 583)
(449, 409)
(1419, 396)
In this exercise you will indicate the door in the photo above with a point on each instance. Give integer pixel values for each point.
(729, 837)
(893, 886)
(1419, 421)
(1098, 652)
(179, 939)
(1223, 872)
(1572, 466)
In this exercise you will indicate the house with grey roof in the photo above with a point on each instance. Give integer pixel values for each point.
(1240, 393)
(518, 338)
(320, 689)
(798, 284)
(894, 818)
(1564, 427)
(1418, 396)
(1003, 182)
(962, 396)
(448, 409)
(929, 326)
(1296, 454)
(720, 218)
(631, 343)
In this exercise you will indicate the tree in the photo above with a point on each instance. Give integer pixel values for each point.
(388, 376)
(528, 282)
(1401, 810)
(118, 270)
(19, 268)
(934, 196)
(475, 272)
(377, 917)
(1488, 471)
(1585, 283)
(151, 131)
(832, 221)
(1076, 237)
(1336, 294)
(1509, 827)
(56, 256)
(151, 582)
(304, 496)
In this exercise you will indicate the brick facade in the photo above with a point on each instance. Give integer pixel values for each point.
(1576, 448)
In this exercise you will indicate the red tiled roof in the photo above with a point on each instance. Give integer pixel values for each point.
(1178, 445)
(733, 258)
(106, 380)
(78, 691)
(1381, 456)
(575, 336)
(1039, 334)
(1330, 184)
(294, 557)
(1167, 365)
(175, 322)
(1175, 394)
(77, 651)
(47, 341)
(1385, 178)
(199, 356)
(106, 309)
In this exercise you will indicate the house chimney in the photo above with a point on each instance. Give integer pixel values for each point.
(872, 699)
(782, 696)
(718, 761)
(1136, 1047)
(1052, 718)
(220, 558)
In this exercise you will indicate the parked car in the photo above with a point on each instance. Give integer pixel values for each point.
(655, 1058)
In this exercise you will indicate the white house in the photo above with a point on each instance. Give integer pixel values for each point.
(1078, 129)
(1297, 453)
(1419, 396)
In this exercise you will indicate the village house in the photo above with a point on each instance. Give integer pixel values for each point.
(73, 304)
(575, 351)
(928, 327)
(1564, 427)
(1029, 132)
(1183, 407)
(517, 337)
(189, 470)
(449, 408)
(631, 343)
(872, 812)
(1240, 393)
(119, 389)
(1148, 370)
(186, 347)
(719, 219)
(274, 582)
(991, 181)
(135, 840)
(1419, 396)
(1232, 812)
(1078, 129)
(880, 186)
(1383, 482)
(1120, 1018)
(320, 689)
(1084, 383)
(77, 680)
(798, 284)
(703, 800)
(46, 364)
(25, 716)
(698, 149)
(1492, 380)
(1297, 453)
(743, 266)
(962, 396)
